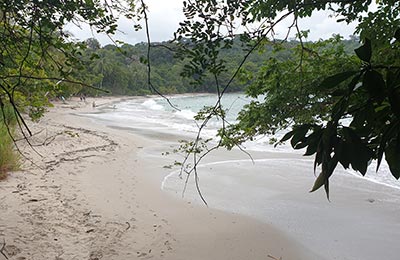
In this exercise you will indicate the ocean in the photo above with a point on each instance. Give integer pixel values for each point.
(273, 187)
(156, 114)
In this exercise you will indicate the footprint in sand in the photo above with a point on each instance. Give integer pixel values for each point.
(95, 255)
(12, 250)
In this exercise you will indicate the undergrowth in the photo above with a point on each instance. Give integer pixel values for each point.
(9, 159)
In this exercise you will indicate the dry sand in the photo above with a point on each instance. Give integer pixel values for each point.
(83, 193)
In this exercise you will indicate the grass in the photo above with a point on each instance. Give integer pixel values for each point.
(9, 159)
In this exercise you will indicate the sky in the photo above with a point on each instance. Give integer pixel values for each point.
(165, 15)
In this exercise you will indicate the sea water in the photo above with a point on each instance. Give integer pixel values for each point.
(157, 115)
(239, 185)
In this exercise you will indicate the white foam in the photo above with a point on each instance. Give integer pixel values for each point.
(152, 104)
(186, 113)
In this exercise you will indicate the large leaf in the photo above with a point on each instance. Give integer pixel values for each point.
(338, 109)
(374, 83)
(299, 135)
(328, 167)
(388, 134)
(364, 52)
(336, 79)
(312, 141)
(342, 150)
(287, 136)
(397, 34)
(357, 152)
(321, 180)
(392, 156)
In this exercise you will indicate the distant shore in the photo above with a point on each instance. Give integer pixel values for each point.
(86, 192)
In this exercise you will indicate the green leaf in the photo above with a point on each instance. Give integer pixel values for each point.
(328, 166)
(321, 180)
(358, 152)
(300, 135)
(326, 186)
(392, 156)
(318, 156)
(338, 109)
(388, 134)
(286, 137)
(342, 150)
(336, 79)
(365, 51)
(374, 83)
(313, 140)
(397, 34)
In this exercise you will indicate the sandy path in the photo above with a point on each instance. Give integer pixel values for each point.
(84, 194)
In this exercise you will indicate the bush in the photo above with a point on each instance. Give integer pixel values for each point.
(8, 156)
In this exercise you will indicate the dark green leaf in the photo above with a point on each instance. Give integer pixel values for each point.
(321, 180)
(387, 135)
(326, 186)
(338, 109)
(313, 140)
(374, 83)
(397, 34)
(336, 79)
(343, 152)
(392, 156)
(353, 82)
(365, 51)
(359, 154)
(286, 137)
(299, 135)
(318, 157)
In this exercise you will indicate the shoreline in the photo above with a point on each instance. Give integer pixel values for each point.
(360, 214)
(92, 194)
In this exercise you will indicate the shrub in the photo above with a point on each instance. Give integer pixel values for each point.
(8, 156)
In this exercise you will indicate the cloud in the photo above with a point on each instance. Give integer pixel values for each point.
(321, 26)
(164, 18)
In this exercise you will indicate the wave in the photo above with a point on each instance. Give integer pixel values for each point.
(152, 104)
(380, 179)
(186, 113)
(147, 113)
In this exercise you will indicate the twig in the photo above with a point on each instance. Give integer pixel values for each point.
(3, 247)
(150, 84)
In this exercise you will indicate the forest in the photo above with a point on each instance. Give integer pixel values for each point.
(122, 70)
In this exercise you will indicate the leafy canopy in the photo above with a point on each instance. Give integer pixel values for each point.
(342, 107)
(38, 59)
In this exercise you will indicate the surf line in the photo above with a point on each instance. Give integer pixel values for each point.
(351, 173)
(176, 172)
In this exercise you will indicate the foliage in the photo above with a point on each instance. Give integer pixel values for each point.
(8, 156)
(343, 108)
(37, 58)
(122, 70)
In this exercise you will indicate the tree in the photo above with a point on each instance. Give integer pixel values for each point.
(37, 57)
(342, 108)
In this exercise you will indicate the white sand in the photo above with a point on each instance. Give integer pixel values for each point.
(85, 193)
(88, 191)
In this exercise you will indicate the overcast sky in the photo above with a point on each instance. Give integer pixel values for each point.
(165, 15)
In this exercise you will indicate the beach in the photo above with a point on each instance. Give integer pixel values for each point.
(91, 189)
(83, 193)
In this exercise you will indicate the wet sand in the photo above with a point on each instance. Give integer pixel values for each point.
(88, 191)
(92, 191)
